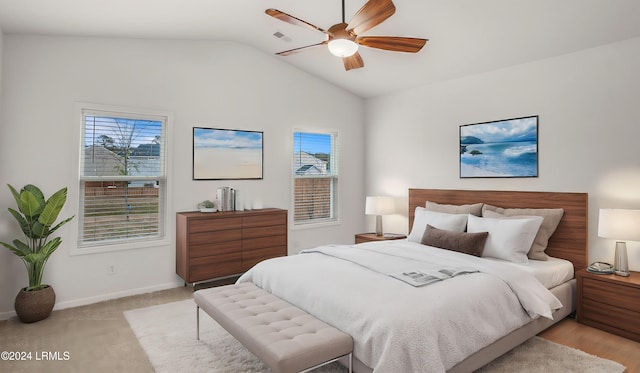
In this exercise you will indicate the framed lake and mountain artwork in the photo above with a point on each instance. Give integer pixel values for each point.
(225, 154)
(503, 148)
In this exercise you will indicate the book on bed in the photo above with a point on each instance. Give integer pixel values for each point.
(421, 278)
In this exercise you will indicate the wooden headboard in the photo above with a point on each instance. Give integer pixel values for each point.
(570, 240)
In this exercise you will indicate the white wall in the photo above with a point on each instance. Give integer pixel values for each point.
(5, 265)
(214, 84)
(589, 127)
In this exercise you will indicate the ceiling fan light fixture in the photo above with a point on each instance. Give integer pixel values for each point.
(342, 47)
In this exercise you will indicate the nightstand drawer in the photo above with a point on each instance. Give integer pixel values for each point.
(603, 292)
(626, 321)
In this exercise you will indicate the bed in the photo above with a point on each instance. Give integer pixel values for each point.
(455, 325)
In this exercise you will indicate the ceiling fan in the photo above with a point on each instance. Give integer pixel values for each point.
(343, 40)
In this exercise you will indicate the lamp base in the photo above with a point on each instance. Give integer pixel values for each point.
(621, 263)
(379, 225)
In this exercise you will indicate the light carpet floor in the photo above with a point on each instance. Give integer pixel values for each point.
(167, 333)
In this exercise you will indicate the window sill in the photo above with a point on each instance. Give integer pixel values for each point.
(295, 226)
(87, 250)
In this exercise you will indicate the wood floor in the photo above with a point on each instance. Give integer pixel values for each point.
(596, 342)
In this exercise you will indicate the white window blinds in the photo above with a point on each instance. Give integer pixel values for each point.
(122, 177)
(315, 177)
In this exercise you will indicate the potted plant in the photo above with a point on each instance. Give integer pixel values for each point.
(36, 216)
(206, 206)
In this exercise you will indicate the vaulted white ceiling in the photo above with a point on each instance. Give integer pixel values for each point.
(465, 36)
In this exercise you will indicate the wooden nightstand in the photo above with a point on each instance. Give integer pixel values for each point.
(610, 303)
(367, 237)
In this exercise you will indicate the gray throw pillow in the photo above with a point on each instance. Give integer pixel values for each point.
(467, 243)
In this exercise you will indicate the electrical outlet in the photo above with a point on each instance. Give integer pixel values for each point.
(111, 269)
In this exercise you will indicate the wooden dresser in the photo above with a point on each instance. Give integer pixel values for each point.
(218, 244)
(610, 303)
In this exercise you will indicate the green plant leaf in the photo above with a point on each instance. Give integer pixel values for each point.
(15, 194)
(52, 208)
(15, 250)
(38, 230)
(36, 193)
(24, 225)
(22, 246)
(43, 254)
(50, 247)
(29, 205)
(60, 224)
(32, 258)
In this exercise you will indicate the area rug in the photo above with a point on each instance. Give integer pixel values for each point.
(167, 333)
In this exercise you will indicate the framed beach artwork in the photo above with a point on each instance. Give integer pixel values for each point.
(224, 154)
(503, 148)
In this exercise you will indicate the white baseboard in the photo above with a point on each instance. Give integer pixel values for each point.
(100, 298)
(7, 315)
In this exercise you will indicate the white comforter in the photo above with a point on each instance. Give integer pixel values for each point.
(397, 327)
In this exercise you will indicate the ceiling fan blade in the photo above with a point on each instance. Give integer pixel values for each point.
(275, 13)
(370, 15)
(296, 50)
(353, 62)
(392, 43)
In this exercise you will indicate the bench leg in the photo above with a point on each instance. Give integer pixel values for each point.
(349, 356)
(198, 322)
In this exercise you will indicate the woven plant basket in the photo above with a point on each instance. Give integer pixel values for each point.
(32, 306)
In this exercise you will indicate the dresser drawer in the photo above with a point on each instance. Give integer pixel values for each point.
(197, 251)
(253, 257)
(274, 230)
(265, 220)
(209, 267)
(207, 225)
(603, 292)
(215, 237)
(262, 242)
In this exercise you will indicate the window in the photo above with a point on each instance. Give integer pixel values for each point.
(122, 177)
(315, 177)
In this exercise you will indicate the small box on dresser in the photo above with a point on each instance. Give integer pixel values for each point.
(219, 244)
(610, 303)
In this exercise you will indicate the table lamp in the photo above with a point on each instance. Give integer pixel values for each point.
(379, 206)
(620, 224)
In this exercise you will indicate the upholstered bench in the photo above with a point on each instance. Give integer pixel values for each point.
(284, 337)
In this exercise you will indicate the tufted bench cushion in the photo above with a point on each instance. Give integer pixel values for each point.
(284, 337)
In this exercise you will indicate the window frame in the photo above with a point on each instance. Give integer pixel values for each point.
(165, 203)
(335, 197)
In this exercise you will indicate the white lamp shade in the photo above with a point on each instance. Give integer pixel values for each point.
(380, 206)
(342, 47)
(619, 224)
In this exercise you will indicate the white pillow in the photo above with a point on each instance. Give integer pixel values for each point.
(475, 208)
(440, 220)
(509, 239)
(551, 220)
